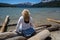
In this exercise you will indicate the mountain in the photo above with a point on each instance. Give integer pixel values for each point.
(16, 5)
(4, 5)
(47, 4)
(23, 4)
(29, 5)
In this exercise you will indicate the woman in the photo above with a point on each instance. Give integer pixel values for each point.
(25, 25)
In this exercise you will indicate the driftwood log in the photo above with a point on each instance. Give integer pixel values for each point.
(13, 35)
(53, 20)
(4, 26)
(14, 24)
(54, 28)
(17, 38)
(6, 35)
(43, 25)
(41, 35)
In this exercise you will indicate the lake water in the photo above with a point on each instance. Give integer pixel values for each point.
(39, 14)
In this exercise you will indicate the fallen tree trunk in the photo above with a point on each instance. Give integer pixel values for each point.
(43, 25)
(4, 26)
(39, 29)
(17, 38)
(11, 36)
(10, 24)
(41, 35)
(53, 28)
(6, 35)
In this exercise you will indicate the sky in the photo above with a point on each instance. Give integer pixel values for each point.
(19, 1)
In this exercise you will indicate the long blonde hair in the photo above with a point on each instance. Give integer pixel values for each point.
(26, 14)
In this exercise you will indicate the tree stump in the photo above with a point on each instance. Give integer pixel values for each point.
(4, 26)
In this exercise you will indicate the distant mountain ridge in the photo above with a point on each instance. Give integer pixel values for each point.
(23, 4)
(16, 5)
(41, 4)
(47, 4)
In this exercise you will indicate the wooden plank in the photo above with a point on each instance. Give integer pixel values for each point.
(4, 26)
(41, 35)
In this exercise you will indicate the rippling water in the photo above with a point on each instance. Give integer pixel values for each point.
(39, 14)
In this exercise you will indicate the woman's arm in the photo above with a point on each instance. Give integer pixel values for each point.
(31, 22)
(18, 24)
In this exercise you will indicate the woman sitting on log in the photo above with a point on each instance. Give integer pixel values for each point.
(25, 25)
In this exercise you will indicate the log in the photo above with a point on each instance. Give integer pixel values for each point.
(41, 35)
(53, 20)
(11, 36)
(10, 24)
(4, 26)
(17, 38)
(43, 25)
(39, 29)
(6, 35)
(54, 28)
(51, 29)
